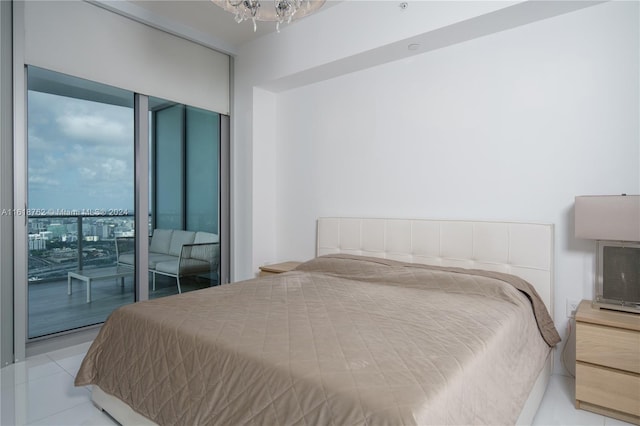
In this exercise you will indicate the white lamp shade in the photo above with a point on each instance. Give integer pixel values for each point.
(608, 217)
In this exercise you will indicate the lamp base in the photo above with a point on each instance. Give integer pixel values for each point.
(633, 308)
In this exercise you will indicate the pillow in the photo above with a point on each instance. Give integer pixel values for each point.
(178, 239)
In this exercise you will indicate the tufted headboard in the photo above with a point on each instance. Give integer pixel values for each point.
(522, 249)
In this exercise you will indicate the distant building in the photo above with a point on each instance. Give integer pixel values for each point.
(121, 233)
(36, 226)
(105, 231)
(69, 238)
(57, 229)
(37, 242)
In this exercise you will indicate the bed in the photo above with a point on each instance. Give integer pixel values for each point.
(383, 327)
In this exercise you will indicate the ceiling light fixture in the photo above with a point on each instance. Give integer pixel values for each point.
(278, 11)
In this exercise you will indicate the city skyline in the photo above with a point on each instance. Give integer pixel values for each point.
(66, 228)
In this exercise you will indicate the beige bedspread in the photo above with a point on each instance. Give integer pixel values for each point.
(339, 341)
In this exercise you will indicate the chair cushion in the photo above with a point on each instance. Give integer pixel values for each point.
(167, 267)
(178, 239)
(189, 266)
(205, 237)
(155, 258)
(161, 241)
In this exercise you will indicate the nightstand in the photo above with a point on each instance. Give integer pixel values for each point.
(277, 268)
(608, 362)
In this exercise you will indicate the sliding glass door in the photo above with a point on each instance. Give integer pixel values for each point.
(167, 143)
(184, 174)
(81, 220)
(80, 201)
(202, 160)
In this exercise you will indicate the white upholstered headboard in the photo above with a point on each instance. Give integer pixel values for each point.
(522, 249)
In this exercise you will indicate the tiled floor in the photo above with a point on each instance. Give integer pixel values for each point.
(40, 391)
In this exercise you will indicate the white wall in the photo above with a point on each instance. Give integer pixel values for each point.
(340, 39)
(81, 39)
(510, 126)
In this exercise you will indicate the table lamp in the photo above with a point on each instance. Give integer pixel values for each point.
(614, 222)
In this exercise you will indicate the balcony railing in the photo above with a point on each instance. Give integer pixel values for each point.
(68, 242)
(60, 243)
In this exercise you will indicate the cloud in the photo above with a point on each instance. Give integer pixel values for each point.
(115, 169)
(39, 180)
(94, 128)
(87, 173)
(80, 153)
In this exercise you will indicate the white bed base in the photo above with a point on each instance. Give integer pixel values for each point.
(522, 249)
(117, 409)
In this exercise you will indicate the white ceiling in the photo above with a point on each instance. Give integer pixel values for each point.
(206, 17)
(198, 20)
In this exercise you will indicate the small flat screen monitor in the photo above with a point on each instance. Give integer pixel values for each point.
(618, 281)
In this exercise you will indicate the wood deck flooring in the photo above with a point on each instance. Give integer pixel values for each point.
(51, 310)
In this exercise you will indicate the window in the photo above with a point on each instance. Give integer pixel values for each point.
(81, 190)
(80, 199)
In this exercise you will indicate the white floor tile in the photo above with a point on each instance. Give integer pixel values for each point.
(615, 422)
(31, 369)
(558, 406)
(69, 352)
(81, 415)
(46, 396)
(71, 364)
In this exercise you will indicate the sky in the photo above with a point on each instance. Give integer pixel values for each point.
(80, 154)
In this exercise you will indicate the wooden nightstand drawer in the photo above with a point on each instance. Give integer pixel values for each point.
(608, 388)
(608, 362)
(608, 346)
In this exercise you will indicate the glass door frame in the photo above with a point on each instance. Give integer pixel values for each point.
(22, 344)
(141, 209)
(141, 195)
(14, 262)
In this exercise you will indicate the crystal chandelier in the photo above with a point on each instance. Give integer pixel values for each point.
(278, 11)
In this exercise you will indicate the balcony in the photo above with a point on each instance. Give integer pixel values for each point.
(63, 243)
